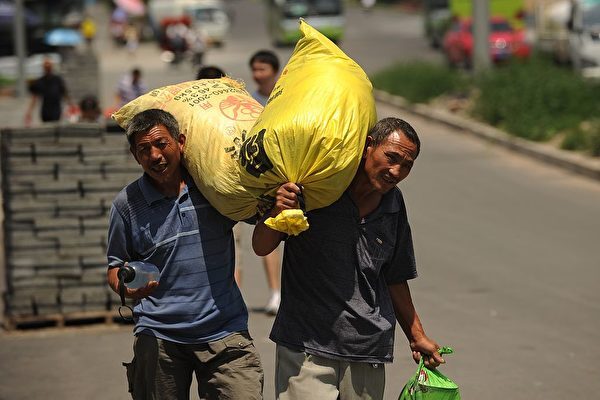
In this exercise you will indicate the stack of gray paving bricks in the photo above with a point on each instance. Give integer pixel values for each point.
(58, 185)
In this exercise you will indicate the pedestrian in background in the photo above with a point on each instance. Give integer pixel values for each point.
(265, 69)
(193, 320)
(345, 279)
(132, 38)
(51, 89)
(270, 262)
(130, 87)
(89, 110)
(88, 30)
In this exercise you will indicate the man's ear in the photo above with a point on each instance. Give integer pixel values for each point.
(368, 143)
(181, 141)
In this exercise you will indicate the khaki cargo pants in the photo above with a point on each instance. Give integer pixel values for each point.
(227, 369)
(301, 376)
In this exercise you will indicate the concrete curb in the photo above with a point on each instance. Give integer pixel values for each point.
(570, 161)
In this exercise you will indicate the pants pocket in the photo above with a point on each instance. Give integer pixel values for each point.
(130, 370)
(239, 349)
(238, 341)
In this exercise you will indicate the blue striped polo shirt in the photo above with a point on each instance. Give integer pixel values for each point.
(197, 299)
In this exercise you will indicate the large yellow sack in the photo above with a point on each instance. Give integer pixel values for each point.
(215, 116)
(313, 128)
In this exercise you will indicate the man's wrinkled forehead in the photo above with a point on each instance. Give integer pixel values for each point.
(146, 134)
(398, 141)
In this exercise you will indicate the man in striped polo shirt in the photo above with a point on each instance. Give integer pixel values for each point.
(194, 319)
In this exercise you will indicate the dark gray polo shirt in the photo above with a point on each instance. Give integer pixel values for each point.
(335, 302)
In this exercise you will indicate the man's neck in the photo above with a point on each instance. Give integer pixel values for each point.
(363, 195)
(172, 186)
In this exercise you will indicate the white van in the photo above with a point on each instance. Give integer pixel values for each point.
(570, 31)
(584, 38)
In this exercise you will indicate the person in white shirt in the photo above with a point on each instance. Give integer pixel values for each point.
(265, 71)
(130, 87)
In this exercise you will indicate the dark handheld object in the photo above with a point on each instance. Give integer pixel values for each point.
(125, 274)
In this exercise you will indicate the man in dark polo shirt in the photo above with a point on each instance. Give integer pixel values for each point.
(51, 89)
(193, 320)
(344, 281)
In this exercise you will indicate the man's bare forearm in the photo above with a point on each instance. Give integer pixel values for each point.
(265, 239)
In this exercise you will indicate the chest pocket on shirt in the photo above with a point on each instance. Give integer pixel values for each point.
(380, 250)
(380, 240)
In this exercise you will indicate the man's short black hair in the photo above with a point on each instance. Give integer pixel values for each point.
(210, 72)
(266, 57)
(144, 121)
(386, 126)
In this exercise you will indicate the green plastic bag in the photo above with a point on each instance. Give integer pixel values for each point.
(430, 384)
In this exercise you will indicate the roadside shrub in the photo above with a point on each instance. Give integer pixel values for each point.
(419, 82)
(590, 130)
(575, 139)
(594, 141)
(585, 137)
(536, 100)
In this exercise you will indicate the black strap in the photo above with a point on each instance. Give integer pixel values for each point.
(301, 201)
(121, 287)
(121, 274)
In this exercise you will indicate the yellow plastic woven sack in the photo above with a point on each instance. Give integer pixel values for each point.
(215, 116)
(313, 128)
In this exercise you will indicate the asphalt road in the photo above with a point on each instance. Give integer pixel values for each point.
(507, 252)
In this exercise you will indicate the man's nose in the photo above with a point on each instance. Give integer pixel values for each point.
(155, 153)
(396, 172)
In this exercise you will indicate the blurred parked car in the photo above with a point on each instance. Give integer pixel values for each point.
(505, 42)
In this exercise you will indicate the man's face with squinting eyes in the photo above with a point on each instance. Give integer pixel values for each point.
(390, 162)
(158, 153)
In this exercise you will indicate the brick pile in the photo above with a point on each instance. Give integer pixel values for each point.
(58, 183)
